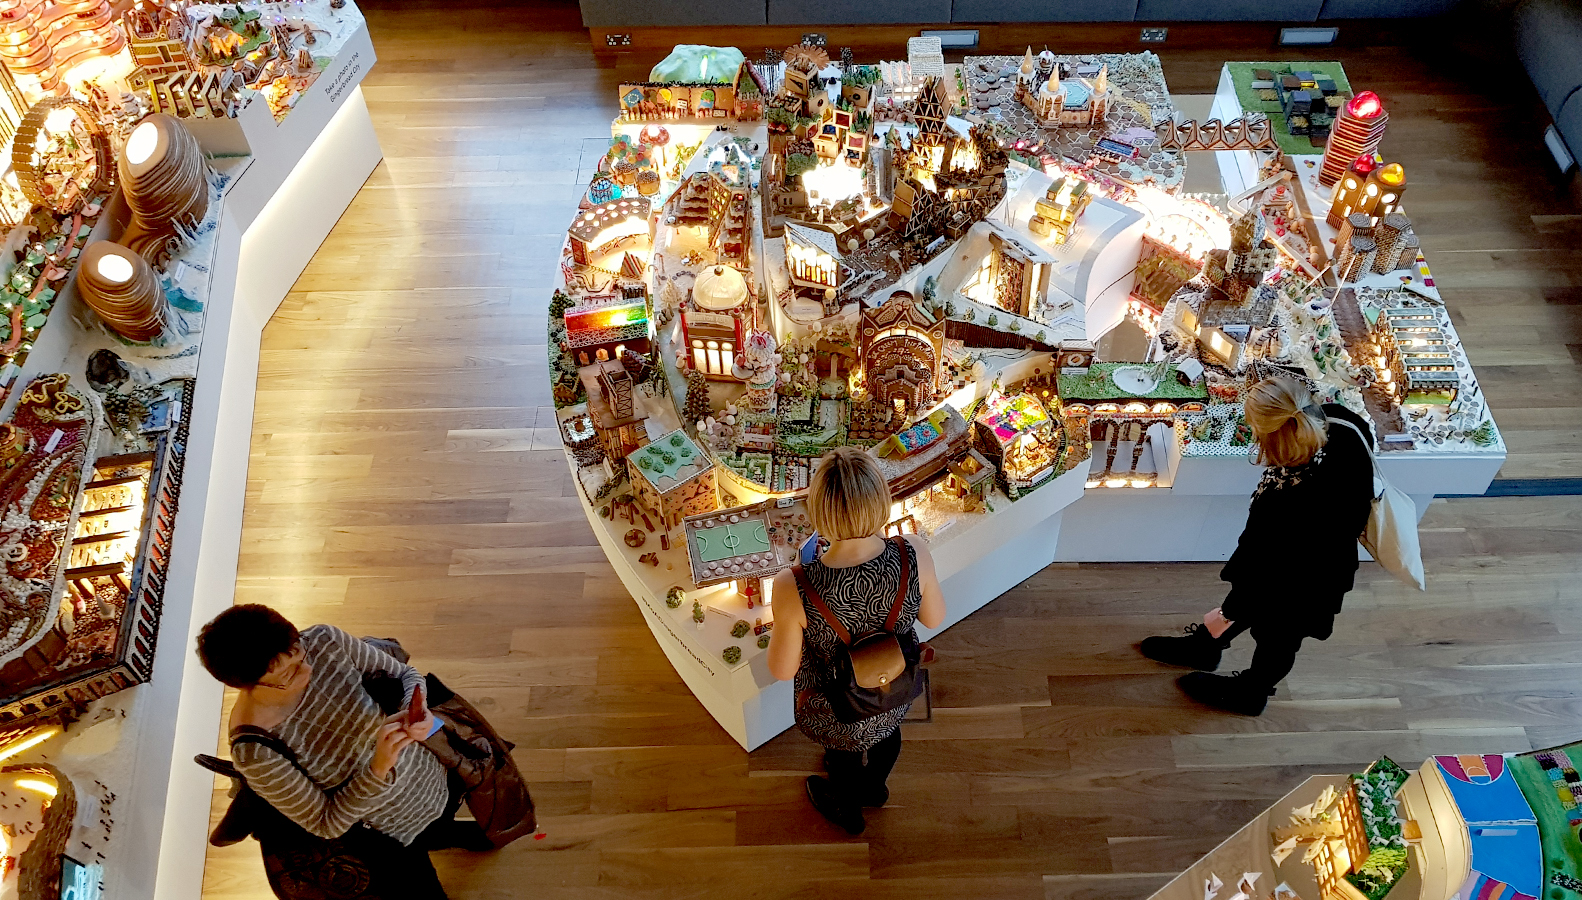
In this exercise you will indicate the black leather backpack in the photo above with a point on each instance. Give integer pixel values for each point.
(875, 672)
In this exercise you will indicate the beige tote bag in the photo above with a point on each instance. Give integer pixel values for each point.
(1391, 535)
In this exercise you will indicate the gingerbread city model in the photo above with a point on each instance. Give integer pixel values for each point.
(985, 274)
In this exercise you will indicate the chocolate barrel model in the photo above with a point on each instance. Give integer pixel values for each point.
(123, 289)
(166, 183)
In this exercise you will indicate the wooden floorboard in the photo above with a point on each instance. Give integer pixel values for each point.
(404, 481)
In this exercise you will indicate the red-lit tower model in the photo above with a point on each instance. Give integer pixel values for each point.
(1358, 131)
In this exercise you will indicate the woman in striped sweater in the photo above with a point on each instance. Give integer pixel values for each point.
(354, 765)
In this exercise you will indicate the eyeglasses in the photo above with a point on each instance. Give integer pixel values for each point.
(287, 671)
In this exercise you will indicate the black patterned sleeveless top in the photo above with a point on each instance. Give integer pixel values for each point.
(860, 596)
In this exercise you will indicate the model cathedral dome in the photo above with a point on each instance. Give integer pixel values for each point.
(1058, 101)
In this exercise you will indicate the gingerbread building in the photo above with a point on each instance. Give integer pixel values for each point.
(901, 352)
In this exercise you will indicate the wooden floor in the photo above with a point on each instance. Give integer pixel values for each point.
(405, 481)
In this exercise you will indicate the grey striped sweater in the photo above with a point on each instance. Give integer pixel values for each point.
(332, 731)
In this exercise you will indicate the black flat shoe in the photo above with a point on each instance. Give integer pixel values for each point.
(1229, 693)
(1197, 649)
(823, 800)
(459, 834)
(877, 799)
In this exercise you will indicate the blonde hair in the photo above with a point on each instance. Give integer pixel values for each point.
(1286, 420)
(848, 497)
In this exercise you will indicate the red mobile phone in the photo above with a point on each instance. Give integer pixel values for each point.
(414, 710)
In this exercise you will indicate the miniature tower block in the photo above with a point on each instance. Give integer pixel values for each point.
(1251, 252)
(1358, 130)
(929, 109)
(612, 404)
(673, 479)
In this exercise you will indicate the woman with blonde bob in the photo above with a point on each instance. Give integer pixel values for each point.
(858, 576)
(1297, 557)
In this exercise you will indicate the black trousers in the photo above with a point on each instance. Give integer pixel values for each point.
(362, 864)
(856, 782)
(1275, 654)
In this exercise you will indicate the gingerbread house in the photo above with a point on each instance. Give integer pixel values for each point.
(901, 350)
(715, 321)
(673, 479)
(612, 404)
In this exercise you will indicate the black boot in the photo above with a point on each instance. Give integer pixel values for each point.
(877, 798)
(1235, 693)
(1197, 649)
(823, 799)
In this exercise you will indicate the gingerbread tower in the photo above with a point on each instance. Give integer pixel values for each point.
(1348, 193)
(1358, 130)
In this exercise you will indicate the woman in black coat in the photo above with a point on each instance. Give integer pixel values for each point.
(1297, 557)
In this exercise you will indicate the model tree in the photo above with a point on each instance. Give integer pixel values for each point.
(797, 163)
(558, 304)
(696, 408)
(1484, 434)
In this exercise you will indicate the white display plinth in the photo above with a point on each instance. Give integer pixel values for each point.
(977, 559)
(1200, 517)
(1238, 170)
(279, 204)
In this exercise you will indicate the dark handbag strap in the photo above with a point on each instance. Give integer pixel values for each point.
(900, 591)
(813, 596)
(217, 766)
(252, 734)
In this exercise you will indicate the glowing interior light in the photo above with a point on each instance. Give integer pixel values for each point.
(140, 146)
(1365, 105)
(116, 268)
(34, 784)
(59, 120)
(1116, 483)
(29, 742)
